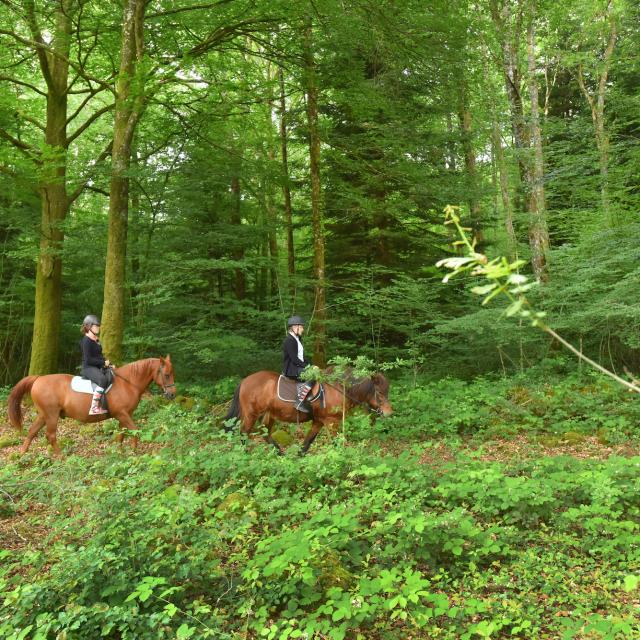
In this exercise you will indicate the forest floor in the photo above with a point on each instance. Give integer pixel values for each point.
(511, 509)
(90, 441)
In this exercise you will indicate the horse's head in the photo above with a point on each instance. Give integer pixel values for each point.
(164, 378)
(378, 398)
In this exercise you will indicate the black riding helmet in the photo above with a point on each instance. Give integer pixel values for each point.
(90, 320)
(293, 320)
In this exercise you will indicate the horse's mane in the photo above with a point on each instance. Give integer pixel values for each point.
(359, 388)
(137, 367)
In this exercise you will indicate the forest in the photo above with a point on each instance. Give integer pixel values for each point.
(446, 192)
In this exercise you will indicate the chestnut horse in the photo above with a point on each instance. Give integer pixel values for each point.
(257, 396)
(54, 398)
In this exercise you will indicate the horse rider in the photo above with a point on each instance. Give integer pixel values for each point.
(94, 365)
(294, 362)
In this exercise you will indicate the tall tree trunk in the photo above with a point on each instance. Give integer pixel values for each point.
(596, 104)
(450, 158)
(501, 172)
(538, 232)
(129, 107)
(55, 202)
(272, 215)
(503, 178)
(464, 117)
(319, 317)
(509, 38)
(527, 140)
(238, 253)
(135, 243)
(286, 189)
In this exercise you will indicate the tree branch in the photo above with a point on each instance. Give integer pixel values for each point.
(224, 34)
(85, 182)
(195, 7)
(23, 146)
(22, 83)
(32, 121)
(87, 123)
(40, 46)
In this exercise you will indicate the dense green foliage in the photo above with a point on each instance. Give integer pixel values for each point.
(207, 257)
(502, 499)
(420, 525)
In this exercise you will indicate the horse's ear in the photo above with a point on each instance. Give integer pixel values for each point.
(168, 358)
(161, 360)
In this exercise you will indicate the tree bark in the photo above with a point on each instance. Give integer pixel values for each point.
(503, 178)
(464, 117)
(527, 140)
(319, 313)
(596, 104)
(538, 232)
(55, 202)
(129, 107)
(509, 38)
(286, 189)
(272, 216)
(238, 252)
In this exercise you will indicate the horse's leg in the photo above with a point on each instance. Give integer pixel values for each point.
(268, 422)
(311, 436)
(248, 422)
(34, 429)
(126, 422)
(52, 425)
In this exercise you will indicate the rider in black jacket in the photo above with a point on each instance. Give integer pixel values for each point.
(294, 361)
(94, 365)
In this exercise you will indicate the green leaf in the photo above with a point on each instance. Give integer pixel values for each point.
(484, 289)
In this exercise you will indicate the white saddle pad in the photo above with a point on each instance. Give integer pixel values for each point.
(83, 385)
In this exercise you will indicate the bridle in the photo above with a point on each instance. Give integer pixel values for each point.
(377, 410)
(164, 377)
(157, 374)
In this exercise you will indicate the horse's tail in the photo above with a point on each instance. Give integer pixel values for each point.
(15, 397)
(234, 410)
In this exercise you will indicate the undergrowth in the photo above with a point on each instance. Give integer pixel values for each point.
(205, 536)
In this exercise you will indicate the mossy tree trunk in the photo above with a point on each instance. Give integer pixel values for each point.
(129, 107)
(54, 66)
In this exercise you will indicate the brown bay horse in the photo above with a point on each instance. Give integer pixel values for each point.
(54, 398)
(257, 396)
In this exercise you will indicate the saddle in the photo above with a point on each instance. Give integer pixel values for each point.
(84, 385)
(288, 391)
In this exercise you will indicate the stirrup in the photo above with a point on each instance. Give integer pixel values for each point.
(303, 405)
